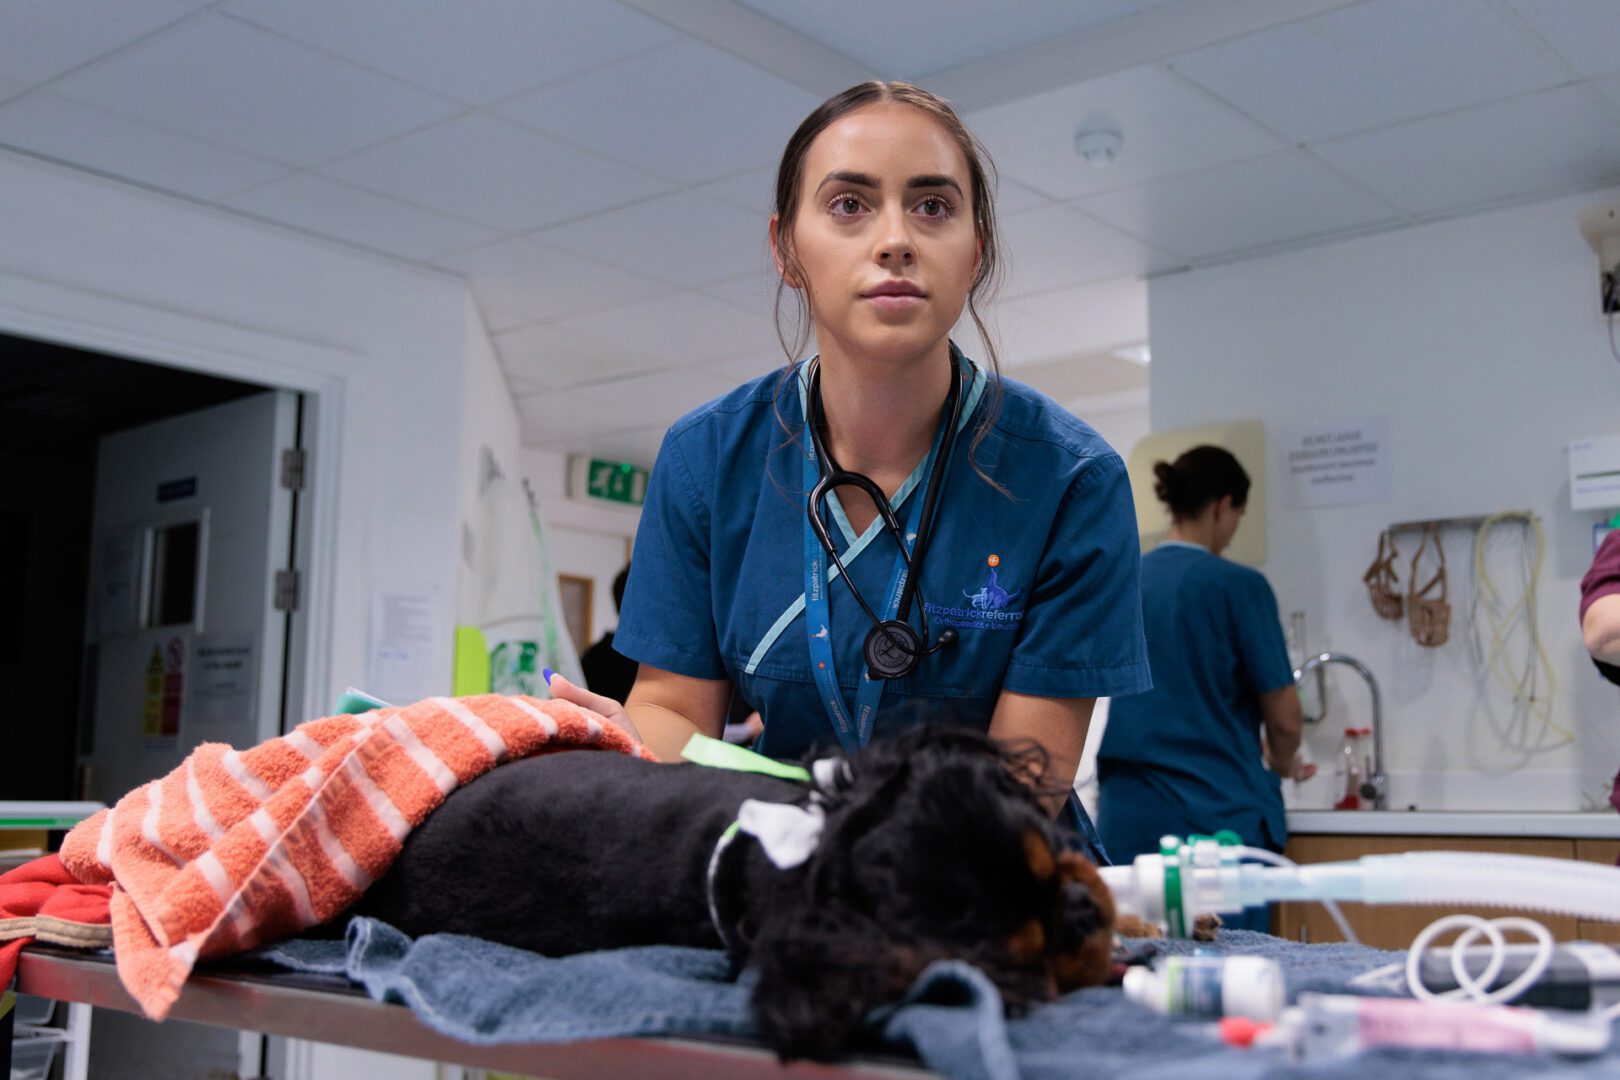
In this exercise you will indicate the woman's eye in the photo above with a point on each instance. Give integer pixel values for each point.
(934, 207)
(846, 205)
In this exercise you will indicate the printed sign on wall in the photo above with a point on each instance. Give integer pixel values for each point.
(1335, 464)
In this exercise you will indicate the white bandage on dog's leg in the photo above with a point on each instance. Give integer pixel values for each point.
(789, 834)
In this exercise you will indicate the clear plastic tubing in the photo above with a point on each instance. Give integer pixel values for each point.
(1522, 882)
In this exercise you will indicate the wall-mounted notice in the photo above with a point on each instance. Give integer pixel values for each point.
(1335, 464)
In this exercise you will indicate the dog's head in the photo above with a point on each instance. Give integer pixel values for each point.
(935, 846)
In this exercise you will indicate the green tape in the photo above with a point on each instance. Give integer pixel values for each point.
(716, 754)
(471, 663)
(1175, 915)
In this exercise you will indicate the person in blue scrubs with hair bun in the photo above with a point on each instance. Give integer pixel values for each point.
(1023, 607)
(1205, 748)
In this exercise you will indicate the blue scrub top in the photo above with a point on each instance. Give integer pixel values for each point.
(717, 577)
(1185, 756)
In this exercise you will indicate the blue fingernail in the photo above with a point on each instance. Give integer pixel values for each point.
(546, 674)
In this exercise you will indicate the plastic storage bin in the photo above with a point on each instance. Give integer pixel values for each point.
(34, 1011)
(32, 1056)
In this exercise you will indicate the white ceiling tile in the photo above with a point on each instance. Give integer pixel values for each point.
(685, 239)
(40, 39)
(1056, 247)
(498, 322)
(472, 52)
(346, 213)
(640, 446)
(1585, 32)
(522, 279)
(688, 112)
(1168, 128)
(43, 123)
(219, 80)
(560, 419)
(1551, 141)
(1070, 378)
(1014, 198)
(643, 400)
(683, 328)
(754, 190)
(1370, 65)
(914, 37)
(1247, 204)
(754, 292)
(1066, 323)
(1093, 317)
(554, 359)
(496, 173)
(741, 369)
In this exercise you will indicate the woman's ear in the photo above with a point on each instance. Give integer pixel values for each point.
(821, 971)
(779, 254)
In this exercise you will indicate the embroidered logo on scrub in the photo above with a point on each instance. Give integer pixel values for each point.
(988, 605)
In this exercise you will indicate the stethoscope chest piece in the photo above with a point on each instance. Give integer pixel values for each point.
(892, 649)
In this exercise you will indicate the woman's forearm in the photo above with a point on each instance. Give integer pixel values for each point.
(663, 730)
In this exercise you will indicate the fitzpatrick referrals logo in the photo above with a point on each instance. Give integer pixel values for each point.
(986, 606)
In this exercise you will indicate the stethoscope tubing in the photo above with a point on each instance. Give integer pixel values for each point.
(833, 476)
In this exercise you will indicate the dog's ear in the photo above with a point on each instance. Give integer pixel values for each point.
(821, 971)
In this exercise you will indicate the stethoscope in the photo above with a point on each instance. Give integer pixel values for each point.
(893, 647)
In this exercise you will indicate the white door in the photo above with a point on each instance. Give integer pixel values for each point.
(193, 531)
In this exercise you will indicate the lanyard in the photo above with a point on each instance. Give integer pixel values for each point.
(853, 731)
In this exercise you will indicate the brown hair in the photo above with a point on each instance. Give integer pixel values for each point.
(982, 179)
(1201, 476)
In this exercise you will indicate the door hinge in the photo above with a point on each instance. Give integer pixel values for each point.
(286, 590)
(293, 464)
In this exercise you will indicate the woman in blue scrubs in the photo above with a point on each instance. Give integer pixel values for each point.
(1204, 749)
(1027, 606)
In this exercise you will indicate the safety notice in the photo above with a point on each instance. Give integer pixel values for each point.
(1337, 464)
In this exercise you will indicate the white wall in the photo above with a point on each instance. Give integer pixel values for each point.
(1480, 340)
(105, 265)
(1122, 419)
(586, 540)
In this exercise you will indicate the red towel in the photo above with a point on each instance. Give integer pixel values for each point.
(41, 900)
(235, 849)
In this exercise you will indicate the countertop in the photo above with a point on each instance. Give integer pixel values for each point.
(1564, 825)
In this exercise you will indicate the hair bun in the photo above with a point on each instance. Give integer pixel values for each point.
(1167, 483)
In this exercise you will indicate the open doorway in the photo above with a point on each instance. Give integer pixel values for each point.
(112, 527)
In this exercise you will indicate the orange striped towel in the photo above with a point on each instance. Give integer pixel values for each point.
(235, 849)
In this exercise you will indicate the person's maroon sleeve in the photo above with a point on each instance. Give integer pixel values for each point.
(1603, 577)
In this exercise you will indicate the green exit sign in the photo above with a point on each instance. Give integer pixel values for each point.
(615, 481)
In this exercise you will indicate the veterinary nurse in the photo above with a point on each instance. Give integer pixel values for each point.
(1204, 748)
(1027, 551)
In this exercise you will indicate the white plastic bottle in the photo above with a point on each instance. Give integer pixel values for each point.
(1209, 986)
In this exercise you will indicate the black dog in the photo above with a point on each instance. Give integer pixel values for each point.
(933, 846)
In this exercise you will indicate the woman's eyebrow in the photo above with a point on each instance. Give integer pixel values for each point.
(934, 182)
(844, 176)
(867, 180)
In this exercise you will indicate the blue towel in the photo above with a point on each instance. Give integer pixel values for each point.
(951, 1019)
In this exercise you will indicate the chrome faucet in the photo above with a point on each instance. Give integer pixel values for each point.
(1376, 786)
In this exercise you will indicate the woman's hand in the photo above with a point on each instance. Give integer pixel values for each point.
(605, 707)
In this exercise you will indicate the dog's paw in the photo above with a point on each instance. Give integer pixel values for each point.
(1206, 926)
(1133, 927)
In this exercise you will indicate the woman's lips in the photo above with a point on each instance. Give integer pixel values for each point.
(895, 302)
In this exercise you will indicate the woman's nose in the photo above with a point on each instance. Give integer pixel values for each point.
(894, 241)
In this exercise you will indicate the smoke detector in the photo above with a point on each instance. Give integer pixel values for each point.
(1098, 147)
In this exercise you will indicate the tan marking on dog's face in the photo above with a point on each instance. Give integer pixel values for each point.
(1039, 855)
(1029, 942)
(1090, 963)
